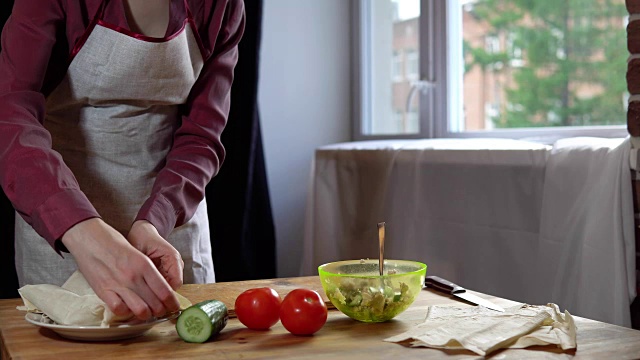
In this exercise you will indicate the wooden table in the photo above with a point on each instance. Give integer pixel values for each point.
(340, 338)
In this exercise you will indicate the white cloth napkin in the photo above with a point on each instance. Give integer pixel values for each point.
(483, 331)
(74, 303)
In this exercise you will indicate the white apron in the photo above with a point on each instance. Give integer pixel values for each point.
(112, 119)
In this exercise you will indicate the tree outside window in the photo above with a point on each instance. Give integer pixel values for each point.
(561, 64)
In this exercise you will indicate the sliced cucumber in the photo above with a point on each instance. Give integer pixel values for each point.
(199, 322)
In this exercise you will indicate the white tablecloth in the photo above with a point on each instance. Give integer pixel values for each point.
(480, 212)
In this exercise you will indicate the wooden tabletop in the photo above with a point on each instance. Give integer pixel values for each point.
(340, 338)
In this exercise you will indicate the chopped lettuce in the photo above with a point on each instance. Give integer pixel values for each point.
(359, 300)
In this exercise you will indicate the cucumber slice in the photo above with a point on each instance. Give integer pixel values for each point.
(199, 322)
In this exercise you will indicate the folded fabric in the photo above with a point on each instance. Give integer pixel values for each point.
(74, 303)
(483, 331)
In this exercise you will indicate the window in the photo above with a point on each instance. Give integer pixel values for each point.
(413, 66)
(515, 51)
(397, 66)
(492, 44)
(499, 68)
(389, 33)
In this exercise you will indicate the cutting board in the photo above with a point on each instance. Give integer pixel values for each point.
(228, 292)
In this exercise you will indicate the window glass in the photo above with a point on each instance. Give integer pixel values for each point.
(543, 63)
(393, 61)
(506, 68)
(413, 66)
(397, 64)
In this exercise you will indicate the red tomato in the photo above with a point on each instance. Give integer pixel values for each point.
(303, 312)
(259, 308)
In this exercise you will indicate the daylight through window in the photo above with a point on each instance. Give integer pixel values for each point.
(498, 64)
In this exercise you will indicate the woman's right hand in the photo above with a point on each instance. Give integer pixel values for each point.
(144, 237)
(123, 277)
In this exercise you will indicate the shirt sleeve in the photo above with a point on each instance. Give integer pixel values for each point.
(34, 177)
(197, 152)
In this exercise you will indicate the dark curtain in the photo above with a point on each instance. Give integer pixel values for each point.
(8, 277)
(242, 231)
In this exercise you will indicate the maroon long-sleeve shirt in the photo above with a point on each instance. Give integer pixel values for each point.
(37, 42)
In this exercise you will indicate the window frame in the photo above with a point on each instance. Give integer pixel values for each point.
(442, 101)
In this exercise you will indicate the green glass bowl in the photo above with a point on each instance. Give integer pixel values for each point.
(356, 288)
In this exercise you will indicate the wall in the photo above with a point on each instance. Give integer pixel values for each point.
(305, 101)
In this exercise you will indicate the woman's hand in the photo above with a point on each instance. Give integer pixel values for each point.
(123, 277)
(144, 237)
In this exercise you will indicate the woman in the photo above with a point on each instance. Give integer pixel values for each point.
(110, 121)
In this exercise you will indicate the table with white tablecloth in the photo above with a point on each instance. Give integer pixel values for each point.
(507, 217)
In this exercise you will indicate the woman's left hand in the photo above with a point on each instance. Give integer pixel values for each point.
(144, 237)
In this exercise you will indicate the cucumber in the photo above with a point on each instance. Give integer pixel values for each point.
(199, 322)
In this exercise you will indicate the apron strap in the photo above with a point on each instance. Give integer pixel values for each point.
(100, 12)
(194, 27)
(186, 8)
(78, 45)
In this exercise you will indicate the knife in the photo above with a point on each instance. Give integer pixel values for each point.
(447, 286)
